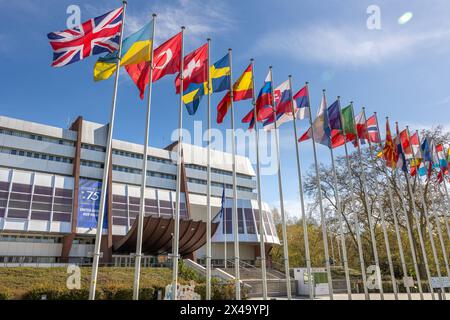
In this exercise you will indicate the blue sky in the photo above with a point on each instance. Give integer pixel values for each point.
(401, 70)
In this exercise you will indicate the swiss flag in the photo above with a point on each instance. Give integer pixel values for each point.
(195, 68)
(166, 60)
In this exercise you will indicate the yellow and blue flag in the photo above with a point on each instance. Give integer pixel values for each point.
(219, 74)
(135, 49)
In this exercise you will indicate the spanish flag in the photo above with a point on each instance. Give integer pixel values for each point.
(242, 90)
(135, 49)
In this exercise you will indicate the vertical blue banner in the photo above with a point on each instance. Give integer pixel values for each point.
(89, 203)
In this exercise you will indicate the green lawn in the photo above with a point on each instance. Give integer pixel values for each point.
(16, 282)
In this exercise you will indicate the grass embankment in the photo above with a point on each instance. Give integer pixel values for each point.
(29, 283)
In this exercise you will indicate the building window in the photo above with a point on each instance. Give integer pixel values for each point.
(36, 137)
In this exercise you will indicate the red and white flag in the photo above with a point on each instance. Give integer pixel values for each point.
(195, 68)
(166, 60)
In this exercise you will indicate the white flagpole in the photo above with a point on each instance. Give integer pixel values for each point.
(208, 184)
(322, 215)
(427, 220)
(370, 222)
(410, 233)
(176, 233)
(138, 257)
(260, 207)
(280, 189)
(383, 223)
(339, 213)
(300, 188)
(446, 218)
(357, 229)
(235, 202)
(394, 214)
(419, 231)
(101, 211)
(357, 226)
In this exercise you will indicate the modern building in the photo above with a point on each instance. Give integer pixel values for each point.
(50, 182)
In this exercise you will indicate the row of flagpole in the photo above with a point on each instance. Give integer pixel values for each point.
(235, 216)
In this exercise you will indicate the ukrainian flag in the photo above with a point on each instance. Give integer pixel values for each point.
(135, 49)
(219, 74)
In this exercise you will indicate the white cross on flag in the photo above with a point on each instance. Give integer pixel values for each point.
(195, 68)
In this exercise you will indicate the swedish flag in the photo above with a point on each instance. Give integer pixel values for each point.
(219, 74)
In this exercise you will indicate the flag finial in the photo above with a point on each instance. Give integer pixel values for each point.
(307, 82)
(154, 15)
(251, 59)
(183, 27)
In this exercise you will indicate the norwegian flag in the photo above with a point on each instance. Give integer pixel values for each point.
(97, 35)
(372, 129)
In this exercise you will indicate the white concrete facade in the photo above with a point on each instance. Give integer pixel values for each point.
(37, 185)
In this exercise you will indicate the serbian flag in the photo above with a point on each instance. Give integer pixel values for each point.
(372, 129)
(195, 68)
(242, 90)
(335, 123)
(301, 102)
(166, 60)
(406, 145)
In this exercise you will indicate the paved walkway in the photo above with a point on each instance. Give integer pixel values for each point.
(359, 296)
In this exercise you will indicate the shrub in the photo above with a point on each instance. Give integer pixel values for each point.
(220, 291)
(51, 293)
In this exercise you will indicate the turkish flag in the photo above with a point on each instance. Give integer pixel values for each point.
(166, 60)
(195, 68)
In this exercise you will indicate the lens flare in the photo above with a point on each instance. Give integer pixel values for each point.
(405, 18)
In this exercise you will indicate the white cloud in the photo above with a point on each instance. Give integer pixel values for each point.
(202, 19)
(347, 45)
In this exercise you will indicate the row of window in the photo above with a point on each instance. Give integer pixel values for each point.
(93, 147)
(149, 173)
(32, 239)
(140, 156)
(215, 170)
(36, 137)
(35, 155)
(92, 164)
(219, 185)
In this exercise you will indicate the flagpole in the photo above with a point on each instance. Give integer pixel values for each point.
(322, 215)
(419, 231)
(280, 189)
(176, 233)
(357, 227)
(427, 220)
(258, 178)
(446, 218)
(103, 194)
(438, 226)
(340, 213)
(383, 222)
(138, 257)
(369, 218)
(235, 202)
(208, 184)
(394, 214)
(300, 189)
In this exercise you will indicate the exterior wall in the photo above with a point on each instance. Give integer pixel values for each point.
(39, 194)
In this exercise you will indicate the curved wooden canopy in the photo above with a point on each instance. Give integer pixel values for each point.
(157, 236)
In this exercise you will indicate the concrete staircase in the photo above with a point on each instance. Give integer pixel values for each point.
(276, 281)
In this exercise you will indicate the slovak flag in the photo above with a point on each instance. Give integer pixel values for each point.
(283, 98)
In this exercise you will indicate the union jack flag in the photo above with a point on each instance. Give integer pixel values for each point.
(97, 35)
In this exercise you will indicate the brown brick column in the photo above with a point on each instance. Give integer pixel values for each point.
(77, 126)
